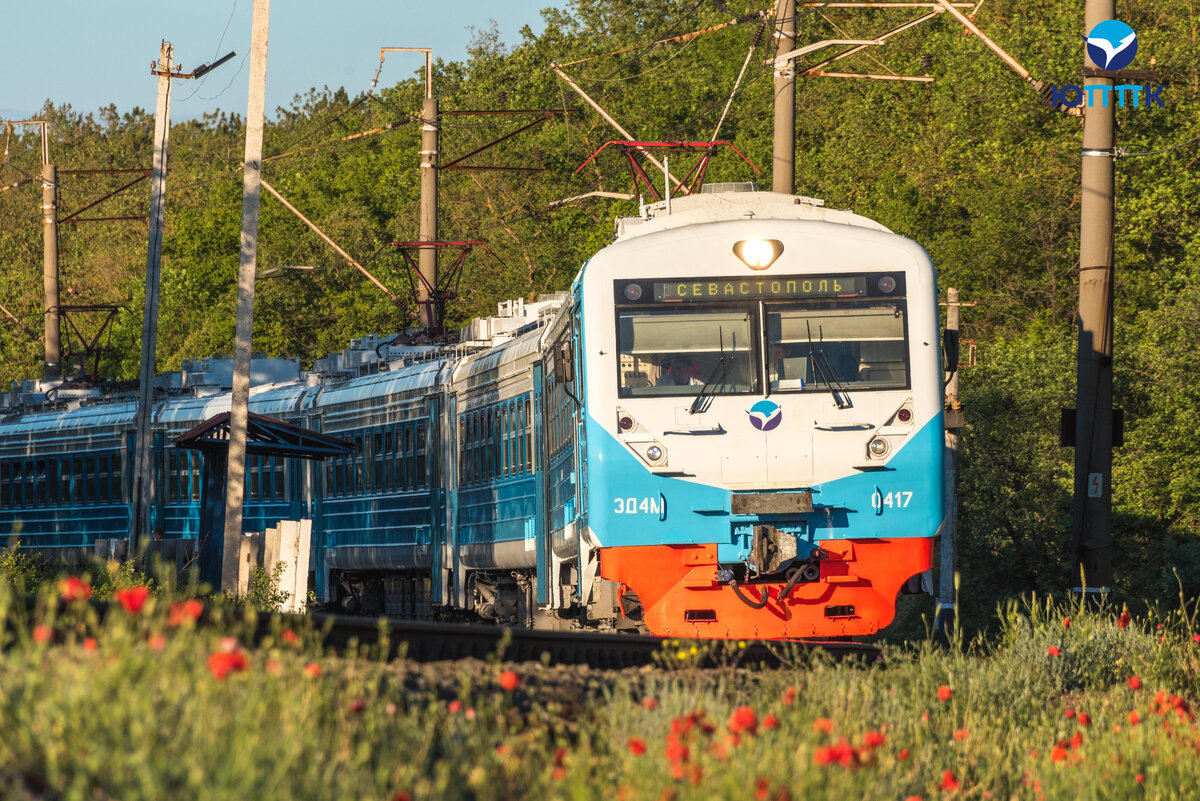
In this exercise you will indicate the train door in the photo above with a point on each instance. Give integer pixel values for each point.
(440, 473)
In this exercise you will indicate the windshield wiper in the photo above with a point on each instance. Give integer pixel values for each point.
(720, 366)
(823, 371)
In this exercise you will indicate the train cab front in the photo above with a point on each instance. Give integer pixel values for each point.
(765, 452)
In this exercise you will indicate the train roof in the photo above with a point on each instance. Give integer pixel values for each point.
(706, 207)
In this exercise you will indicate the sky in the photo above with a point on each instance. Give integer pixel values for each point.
(90, 53)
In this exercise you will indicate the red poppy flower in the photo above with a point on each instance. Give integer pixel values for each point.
(743, 719)
(289, 637)
(312, 670)
(157, 643)
(132, 599)
(770, 722)
(454, 707)
(650, 703)
(913, 798)
(823, 724)
(761, 790)
(961, 734)
(1069, 713)
(1141, 777)
(1058, 753)
(949, 782)
(401, 795)
(637, 746)
(357, 706)
(1085, 719)
(187, 612)
(1053, 651)
(1134, 683)
(1077, 740)
(873, 739)
(42, 634)
(1066, 622)
(677, 751)
(222, 663)
(944, 693)
(1123, 620)
(789, 695)
(509, 681)
(1134, 719)
(89, 644)
(902, 754)
(73, 588)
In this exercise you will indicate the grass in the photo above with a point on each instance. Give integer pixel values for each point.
(147, 704)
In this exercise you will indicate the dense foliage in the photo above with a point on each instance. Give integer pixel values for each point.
(972, 166)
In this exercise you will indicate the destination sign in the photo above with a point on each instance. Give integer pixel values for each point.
(742, 288)
(840, 286)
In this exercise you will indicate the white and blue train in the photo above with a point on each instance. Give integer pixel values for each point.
(730, 426)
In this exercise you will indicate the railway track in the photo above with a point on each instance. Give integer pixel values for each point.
(430, 641)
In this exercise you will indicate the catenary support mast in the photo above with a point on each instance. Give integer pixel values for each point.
(784, 170)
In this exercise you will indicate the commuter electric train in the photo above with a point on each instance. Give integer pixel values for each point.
(730, 426)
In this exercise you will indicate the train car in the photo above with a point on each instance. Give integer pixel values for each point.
(730, 426)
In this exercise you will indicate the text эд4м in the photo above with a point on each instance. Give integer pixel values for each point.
(1111, 45)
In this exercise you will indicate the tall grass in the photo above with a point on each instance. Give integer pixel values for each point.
(1066, 702)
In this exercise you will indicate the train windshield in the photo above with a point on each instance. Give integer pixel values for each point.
(677, 351)
(844, 345)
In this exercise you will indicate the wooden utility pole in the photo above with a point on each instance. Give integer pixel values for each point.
(784, 162)
(235, 487)
(143, 473)
(53, 350)
(1091, 528)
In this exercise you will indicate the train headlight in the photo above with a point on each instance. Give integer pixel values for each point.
(887, 284)
(633, 292)
(758, 254)
(878, 447)
(654, 453)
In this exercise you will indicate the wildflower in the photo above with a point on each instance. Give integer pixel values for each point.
(676, 751)
(1196, 638)
(157, 643)
(1053, 651)
(1123, 620)
(913, 798)
(637, 746)
(650, 703)
(1069, 713)
(503, 750)
(1058, 753)
(470, 713)
(770, 722)
(823, 724)
(222, 663)
(840, 752)
(187, 612)
(1141, 777)
(509, 681)
(873, 739)
(743, 719)
(789, 695)
(357, 706)
(1077, 740)
(132, 599)
(312, 670)
(1134, 719)
(961, 734)
(760, 792)
(944, 693)
(89, 644)
(1085, 719)
(42, 634)
(902, 754)
(454, 707)
(401, 795)
(949, 782)
(1066, 622)
(74, 588)
(273, 667)
(1134, 683)
(289, 637)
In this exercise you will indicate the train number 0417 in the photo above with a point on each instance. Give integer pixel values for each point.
(892, 500)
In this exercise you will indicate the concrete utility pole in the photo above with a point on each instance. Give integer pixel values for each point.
(944, 621)
(143, 473)
(235, 488)
(53, 352)
(428, 231)
(784, 173)
(1091, 529)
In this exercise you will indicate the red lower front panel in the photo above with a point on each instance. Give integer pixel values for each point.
(855, 596)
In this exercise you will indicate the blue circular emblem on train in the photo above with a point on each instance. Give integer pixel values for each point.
(765, 415)
(1112, 45)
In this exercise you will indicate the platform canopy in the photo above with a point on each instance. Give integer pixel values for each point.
(265, 436)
